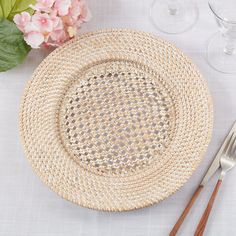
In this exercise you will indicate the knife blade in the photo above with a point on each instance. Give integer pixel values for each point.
(216, 161)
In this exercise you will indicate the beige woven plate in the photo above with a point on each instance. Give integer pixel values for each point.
(116, 120)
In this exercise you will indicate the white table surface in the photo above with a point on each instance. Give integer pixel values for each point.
(29, 208)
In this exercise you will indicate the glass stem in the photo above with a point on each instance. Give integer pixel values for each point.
(173, 7)
(229, 47)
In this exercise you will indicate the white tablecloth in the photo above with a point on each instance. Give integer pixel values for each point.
(29, 208)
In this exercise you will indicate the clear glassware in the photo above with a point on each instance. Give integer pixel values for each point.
(173, 16)
(221, 48)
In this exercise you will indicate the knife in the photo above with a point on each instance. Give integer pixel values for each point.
(216, 162)
(215, 165)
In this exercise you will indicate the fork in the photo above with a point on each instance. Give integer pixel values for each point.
(227, 162)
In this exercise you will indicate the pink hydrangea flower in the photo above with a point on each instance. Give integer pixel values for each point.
(43, 5)
(55, 19)
(21, 20)
(43, 22)
(58, 35)
(31, 27)
(34, 39)
(33, 36)
(75, 9)
(85, 13)
(53, 23)
(62, 6)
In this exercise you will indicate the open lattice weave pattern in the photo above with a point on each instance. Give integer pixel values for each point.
(116, 120)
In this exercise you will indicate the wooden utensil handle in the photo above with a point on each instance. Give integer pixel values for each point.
(185, 212)
(202, 223)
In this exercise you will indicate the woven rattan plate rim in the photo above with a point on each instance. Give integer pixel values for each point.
(115, 50)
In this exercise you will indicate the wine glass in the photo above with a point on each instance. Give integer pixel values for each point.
(221, 49)
(173, 16)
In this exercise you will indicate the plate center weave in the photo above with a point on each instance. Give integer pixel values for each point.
(116, 118)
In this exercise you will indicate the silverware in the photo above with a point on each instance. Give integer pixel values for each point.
(215, 165)
(216, 162)
(227, 162)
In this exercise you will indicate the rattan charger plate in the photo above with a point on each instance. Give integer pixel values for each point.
(116, 120)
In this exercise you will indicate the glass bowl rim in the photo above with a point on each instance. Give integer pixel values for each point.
(218, 16)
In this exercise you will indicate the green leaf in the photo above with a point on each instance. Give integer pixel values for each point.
(9, 8)
(6, 6)
(13, 48)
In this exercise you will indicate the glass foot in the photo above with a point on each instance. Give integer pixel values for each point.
(173, 16)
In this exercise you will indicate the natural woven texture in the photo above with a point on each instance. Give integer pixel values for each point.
(116, 120)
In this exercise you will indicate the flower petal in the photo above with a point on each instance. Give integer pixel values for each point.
(21, 20)
(62, 6)
(31, 27)
(34, 39)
